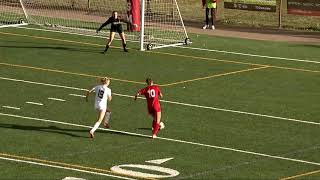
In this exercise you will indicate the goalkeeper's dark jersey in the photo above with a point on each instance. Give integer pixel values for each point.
(116, 25)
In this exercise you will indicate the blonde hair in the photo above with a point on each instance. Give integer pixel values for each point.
(104, 80)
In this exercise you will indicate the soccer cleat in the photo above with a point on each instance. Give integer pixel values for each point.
(162, 126)
(125, 47)
(91, 135)
(213, 28)
(205, 26)
(154, 136)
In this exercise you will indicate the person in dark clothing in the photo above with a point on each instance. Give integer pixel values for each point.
(210, 5)
(116, 26)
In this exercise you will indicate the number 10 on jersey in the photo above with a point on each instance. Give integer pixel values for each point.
(152, 93)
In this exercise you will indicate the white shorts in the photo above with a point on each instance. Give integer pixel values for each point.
(100, 107)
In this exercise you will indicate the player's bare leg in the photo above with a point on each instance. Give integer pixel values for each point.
(111, 37)
(101, 114)
(124, 43)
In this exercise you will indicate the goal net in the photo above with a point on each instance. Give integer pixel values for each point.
(152, 23)
(12, 13)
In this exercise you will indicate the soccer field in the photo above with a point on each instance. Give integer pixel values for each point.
(233, 109)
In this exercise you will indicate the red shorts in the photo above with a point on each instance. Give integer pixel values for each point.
(154, 109)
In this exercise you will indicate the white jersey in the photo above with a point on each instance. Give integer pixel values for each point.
(101, 98)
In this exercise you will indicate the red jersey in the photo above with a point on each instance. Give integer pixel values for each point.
(152, 95)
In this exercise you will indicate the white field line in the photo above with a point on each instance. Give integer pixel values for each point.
(56, 99)
(177, 103)
(193, 48)
(62, 167)
(77, 95)
(34, 103)
(251, 55)
(11, 107)
(228, 110)
(167, 139)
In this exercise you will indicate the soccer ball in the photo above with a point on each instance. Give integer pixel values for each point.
(162, 125)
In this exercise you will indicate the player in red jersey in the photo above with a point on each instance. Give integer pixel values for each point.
(152, 93)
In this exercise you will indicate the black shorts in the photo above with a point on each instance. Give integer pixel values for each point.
(117, 29)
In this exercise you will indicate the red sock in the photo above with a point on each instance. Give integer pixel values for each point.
(156, 129)
(154, 125)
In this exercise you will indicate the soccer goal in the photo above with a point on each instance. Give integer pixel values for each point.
(12, 13)
(151, 23)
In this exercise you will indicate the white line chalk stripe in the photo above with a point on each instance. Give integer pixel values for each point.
(77, 95)
(56, 99)
(252, 55)
(228, 110)
(173, 102)
(167, 139)
(34, 103)
(66, 168)
(194, 48)
(11, 107)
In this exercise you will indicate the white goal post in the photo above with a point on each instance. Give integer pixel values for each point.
(12, 13)
(152, 23)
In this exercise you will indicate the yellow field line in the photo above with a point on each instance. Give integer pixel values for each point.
(66, 72)
(66, 165)
(216, 75)
(295, 69)
(205, 58)
(234, 62)
(300, 175)
(53, 39)
(162, 85)
(170, 54)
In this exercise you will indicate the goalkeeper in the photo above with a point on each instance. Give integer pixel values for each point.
(116, 26)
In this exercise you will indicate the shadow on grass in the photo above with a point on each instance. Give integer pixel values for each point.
(49, 129)
(63, 131)
(308, 45)
(52, 48)
(144, 129)
(57, 46)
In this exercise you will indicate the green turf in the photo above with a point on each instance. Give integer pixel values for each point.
(287, 93)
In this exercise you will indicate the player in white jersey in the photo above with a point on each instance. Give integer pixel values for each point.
(103, 95)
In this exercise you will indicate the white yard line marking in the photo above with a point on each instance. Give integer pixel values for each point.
(194, 48)
(159, 161)
(45, 84)
(251, 55)
(11, 107)
(177, 103)
(34, 103)
(62, 167)
(56, 99)
(228, 110)
(77, 95)
(168, 139)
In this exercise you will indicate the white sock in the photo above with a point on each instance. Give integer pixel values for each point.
(107, 117)
(95, 127)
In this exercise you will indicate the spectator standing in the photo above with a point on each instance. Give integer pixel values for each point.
(210, 6)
